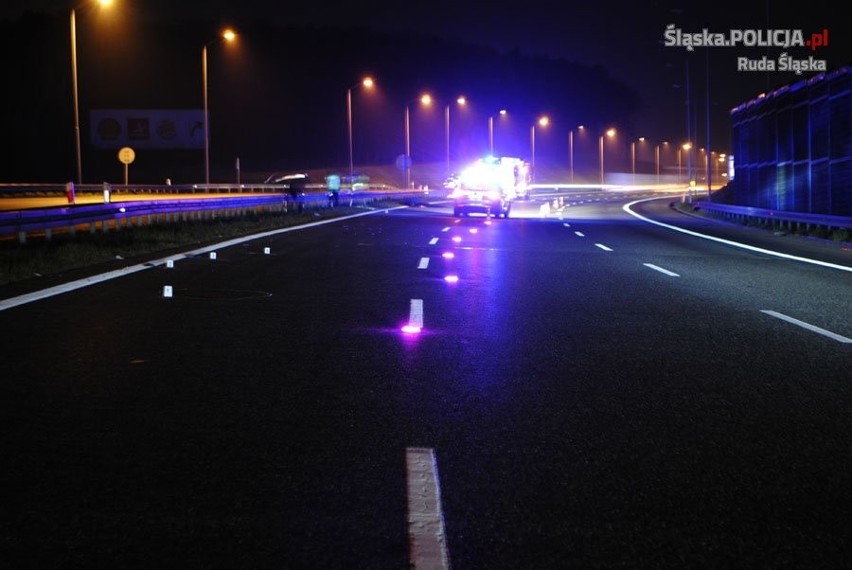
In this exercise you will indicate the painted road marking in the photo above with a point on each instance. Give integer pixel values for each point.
(627, 209)
(427, 538)
(415, 313)
(808, 326)
(446, 229)
(424, 263)
(433, 241)
(579, 234)
(661, 270)
(567, 225)
(603, 247)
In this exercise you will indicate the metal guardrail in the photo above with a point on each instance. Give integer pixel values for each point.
(129, 212)
(776, 218)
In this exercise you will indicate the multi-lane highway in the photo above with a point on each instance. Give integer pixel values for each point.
(615, 384)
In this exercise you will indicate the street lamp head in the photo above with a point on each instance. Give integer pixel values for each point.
(610, 133)
(105, 3)
(426, 99)
(461, 100)
(229, 35)
(367, 82)
(544, 121)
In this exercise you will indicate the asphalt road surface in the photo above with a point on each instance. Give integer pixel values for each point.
(588, 390)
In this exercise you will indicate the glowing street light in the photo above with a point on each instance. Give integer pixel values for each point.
(542, 122)
(491, 131)
(610, 133)
(103, 3)
(228, 35)
(461, 102)
(424, 99)
(368, 83)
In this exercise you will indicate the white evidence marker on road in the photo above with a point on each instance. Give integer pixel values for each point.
(661, 270)
(170, 263)
(212, 255)
(424, 263)
(603, 247)
(267, 250)
(808, 326)
(426, 533)
(167, 291)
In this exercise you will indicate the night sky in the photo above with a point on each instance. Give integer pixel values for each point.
(625, 38)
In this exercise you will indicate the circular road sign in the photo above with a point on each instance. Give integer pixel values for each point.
(126, 155)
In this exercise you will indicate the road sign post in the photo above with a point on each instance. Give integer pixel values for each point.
(126, 156)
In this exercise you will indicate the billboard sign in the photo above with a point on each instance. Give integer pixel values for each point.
(157, 129)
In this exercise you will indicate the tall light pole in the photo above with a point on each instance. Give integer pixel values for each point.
(610, 133)
(424, 99)
(461, 101)
(75, 91)
(571, 151)
(633, 158)
(227, 35)
(366, 82)
(657, 160)
(491, 131)
(542, 121)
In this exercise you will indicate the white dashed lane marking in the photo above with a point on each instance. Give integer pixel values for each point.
(661, 270)
(808, 326)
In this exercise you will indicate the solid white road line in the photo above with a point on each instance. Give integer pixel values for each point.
(603, 247)
(428, 540)
(661, 270)
(424, 263)
(627, 209)
(808, 326)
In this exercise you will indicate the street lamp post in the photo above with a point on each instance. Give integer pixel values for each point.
(571, 152)
(491, 131)
(424, 99)
(610, 133)
(366, 82)
(633, 158)
(461, 101)
(75, 95)
(227, 35)
(543, 121)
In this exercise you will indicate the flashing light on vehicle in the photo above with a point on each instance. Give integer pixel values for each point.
(451, 278)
